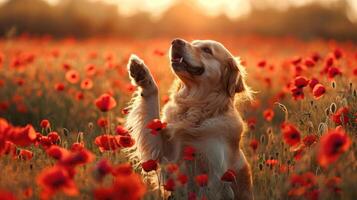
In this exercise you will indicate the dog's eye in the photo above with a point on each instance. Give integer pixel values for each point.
(207, 50)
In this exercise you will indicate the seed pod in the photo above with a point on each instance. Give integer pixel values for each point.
(65, 132)
(261, 166)
(311, 103)
(333, 107)
(80, 137)
(327, 111)
(333, 84)
(90, 125)
(262, 139)
(322, 128)
(269, 130)
(284, 109)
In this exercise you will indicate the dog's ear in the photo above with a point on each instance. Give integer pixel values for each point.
(234, 77)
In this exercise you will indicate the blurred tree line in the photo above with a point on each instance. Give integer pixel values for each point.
(82, 18)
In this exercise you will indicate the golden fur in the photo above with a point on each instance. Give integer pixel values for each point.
(201, 113)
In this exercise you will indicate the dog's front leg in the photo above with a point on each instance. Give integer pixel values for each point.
(144, 108)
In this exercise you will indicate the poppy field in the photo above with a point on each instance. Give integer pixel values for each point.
(63, 105)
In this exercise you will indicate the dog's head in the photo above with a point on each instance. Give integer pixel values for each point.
(208, 64)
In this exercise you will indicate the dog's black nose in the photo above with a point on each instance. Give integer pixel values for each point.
(178, 42)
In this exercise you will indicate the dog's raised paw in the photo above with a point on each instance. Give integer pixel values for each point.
(137, 69)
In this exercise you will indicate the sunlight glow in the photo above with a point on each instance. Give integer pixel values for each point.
(231, 8)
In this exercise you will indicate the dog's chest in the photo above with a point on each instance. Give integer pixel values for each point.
(192, 115)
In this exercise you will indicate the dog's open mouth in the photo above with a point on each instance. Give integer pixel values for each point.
(179, 63)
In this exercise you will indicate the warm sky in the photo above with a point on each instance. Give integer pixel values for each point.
(232, 8)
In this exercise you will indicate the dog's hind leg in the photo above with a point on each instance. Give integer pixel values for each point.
(144, 107)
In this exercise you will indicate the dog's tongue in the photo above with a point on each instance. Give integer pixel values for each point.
(177, 59)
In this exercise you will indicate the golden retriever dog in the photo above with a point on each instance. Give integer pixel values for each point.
(201, 113)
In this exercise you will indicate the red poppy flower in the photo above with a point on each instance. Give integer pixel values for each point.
(268, 114)
(182, 178)
(126, 141)
(251, 123)
(332, 145)
(1, 58)
(189, 153)
(125, 187)
(318, 91)
(122, 169)
(201, 180)
(59, 86)
(105, 102)
(169, 185)
(297, 93)
(9, 149)
(298, 153)
(4, 129)
(72, 76)
(150, 165)
(56, 152)
(23, 136)
(54, 137)
(172, 168)
(333, 71)
(329, 61)
(104, 194)
(87, 84)
(337, 53)
(45, 123)
(309, 62)
(6, 195)
(77, 146)
(27, 192)
(66, 66)
(25, 154)
(101, 169)
(107, 142)
(301, 82)
(229, 176)
(290, 134)
(192, 196)
(341, 116)
(333, 184)
(91, 70)
(262, 63)
(271, 162)
(309, 140)
(120, 130)
(45, 142)
(77, 158)
(56, 179)
(302, 184)
(156, 125)
(296, 60)
(102, 122)
(254, 143)
(313, 82)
